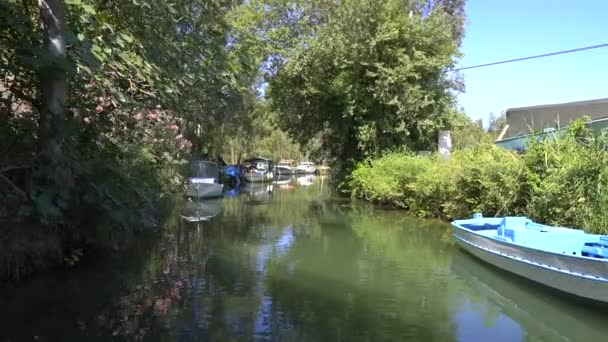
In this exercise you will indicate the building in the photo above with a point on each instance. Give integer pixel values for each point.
(523, 121)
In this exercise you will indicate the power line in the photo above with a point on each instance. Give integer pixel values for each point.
(532, 57)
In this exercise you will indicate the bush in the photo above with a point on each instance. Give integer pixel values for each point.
(561, 181)
(487, 182)
(565, 180)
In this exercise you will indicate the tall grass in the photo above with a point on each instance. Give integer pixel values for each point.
(561, 181)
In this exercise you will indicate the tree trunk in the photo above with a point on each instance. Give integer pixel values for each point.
(53, 89)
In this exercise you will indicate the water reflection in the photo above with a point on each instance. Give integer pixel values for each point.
(257, 192)
(498, 299)
(202, 210)
(299, 265)
(283, 179)
(307, 180)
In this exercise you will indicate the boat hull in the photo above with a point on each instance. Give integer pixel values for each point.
(305, 171)
(281, 170)
(258, 177)
(576, 276)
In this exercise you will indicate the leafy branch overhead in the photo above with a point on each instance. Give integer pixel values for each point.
(367, 76)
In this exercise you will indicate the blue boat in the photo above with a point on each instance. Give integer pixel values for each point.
(565, 259)
(231, 175)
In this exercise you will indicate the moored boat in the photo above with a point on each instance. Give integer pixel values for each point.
(284, 167)
(205, 180)
(258, 170)
(565, 259)
(231, 175)
(306, 167)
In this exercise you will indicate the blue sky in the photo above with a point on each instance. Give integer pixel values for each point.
(502, 29)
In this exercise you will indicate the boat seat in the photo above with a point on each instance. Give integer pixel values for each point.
(509, 225)
(595, 250)
(479, 226)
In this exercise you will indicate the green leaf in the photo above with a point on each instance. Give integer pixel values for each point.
(88, 9)
(126, 37)
(97, 51)
(172, 9)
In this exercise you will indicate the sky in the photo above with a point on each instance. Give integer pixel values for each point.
(498, 30)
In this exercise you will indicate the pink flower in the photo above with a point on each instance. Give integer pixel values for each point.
(173, 128)
(178, 137)
(138, 116)
(99, 108)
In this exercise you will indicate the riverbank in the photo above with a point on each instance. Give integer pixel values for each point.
(559, 182)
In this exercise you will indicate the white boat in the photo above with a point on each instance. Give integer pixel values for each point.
(564, 259)
(255, 176)
(284, 167)
(205, 180)
(306, 168)
(258, 170)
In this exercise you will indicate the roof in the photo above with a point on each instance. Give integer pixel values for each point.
(562, 104)
(524, 120)
(255, 159)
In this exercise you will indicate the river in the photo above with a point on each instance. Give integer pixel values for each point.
(291, 262)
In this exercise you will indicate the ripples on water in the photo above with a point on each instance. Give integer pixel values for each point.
(289, 262)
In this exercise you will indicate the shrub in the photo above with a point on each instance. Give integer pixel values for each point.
(561, 181)
(487, 183)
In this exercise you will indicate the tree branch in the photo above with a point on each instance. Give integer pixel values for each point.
(14, 167)
(15, 188)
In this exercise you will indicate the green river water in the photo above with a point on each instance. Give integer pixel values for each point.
(291, 262)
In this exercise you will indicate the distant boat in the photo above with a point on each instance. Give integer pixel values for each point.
(565, 259)
(258, 170)
(205, 180)
(284, 167)
(306, 168)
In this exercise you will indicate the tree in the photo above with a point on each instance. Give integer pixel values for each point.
(52, 79)
(497, 123)
(371, 79)
(147, 79)
(467, 133)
